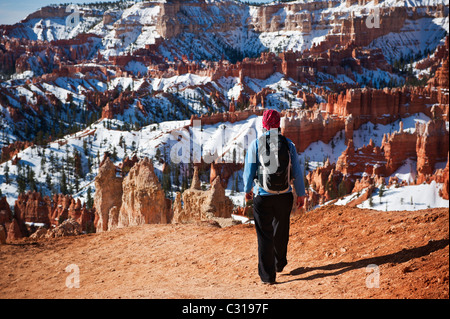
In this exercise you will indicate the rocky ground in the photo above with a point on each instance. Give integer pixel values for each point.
(330, 250)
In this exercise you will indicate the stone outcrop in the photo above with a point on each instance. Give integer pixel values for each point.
(339, 54)
(445, 191)
(3, 234)
(431, 147)
(223, 171)
(143, 200)
(380, 105)
(20, 54)
(30, 209)
(33, 211)
(5, 211)
(176, 17)
(108, 194)
(201, 205)
(132, 200)
(67, 228)
(428, 145)
(343, 53)
(327, 183)
(14, 231)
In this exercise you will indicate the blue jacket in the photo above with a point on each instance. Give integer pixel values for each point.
(252, 164)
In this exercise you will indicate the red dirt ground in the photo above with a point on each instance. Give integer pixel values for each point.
(329, 251)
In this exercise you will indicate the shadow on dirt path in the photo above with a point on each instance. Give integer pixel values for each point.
(399, 257)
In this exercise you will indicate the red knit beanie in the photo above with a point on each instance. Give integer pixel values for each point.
(271, 119)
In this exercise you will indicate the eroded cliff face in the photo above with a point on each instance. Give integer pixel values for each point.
(431, 147)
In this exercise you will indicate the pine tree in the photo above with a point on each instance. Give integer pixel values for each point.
(48, 182)
(78, 168)
(30, 179)
(114, 154)
(166, 183)
(77, 184)
(89, 199)
(176, 178)
(342, 191)
(381, 191)
(85, 148)
(21, 182)
(6, 173)
(63, 187)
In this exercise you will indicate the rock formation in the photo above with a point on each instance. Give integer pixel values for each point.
(3, 234)
(306, 127)
(32, 211)
(67, 228)
(143, 200)
(431, 147)
(445, 191)
(14, 231)
(108, 194)
(199, 205)
(327, 183)
(8, 152)
(5, 211)
(133, 200)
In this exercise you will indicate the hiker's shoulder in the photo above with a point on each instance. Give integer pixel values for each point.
(289, 142)
(253, 144)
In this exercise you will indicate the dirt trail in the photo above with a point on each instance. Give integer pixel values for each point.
(329, 251)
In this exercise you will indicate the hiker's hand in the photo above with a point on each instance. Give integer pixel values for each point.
(300, 201)
(248, 197)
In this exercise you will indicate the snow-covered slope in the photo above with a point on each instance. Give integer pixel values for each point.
(410, 197)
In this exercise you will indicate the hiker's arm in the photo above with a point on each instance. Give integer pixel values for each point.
(297, 171)
(250, 167)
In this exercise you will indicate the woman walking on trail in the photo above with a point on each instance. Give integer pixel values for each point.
(270, 165)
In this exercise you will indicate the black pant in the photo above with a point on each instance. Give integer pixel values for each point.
(272, 214)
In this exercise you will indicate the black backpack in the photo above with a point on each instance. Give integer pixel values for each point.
(274, 171)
